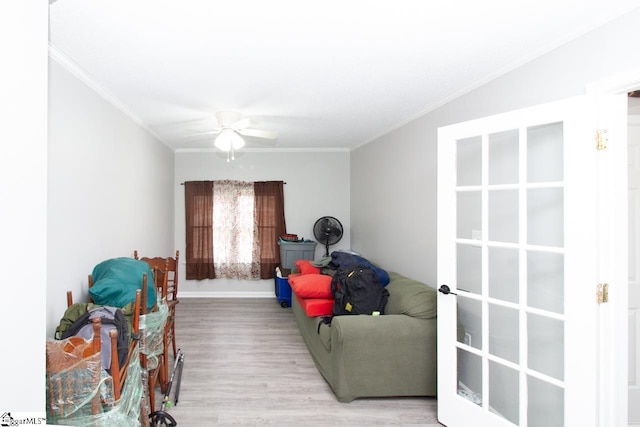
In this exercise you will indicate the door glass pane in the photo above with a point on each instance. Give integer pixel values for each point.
(546, 404)
(545, 153)
(503, 157)
(504, 274)
(545, 211)
(546, 345)
(470, 376)
(470, 322)
(545, 281)
(469, 268)
(469, 161)
(503, 333)
(469, 214)
(503, 216)
(504, 392)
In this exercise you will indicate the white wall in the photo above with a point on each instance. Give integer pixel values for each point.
(393, 179)
(23, 191)
(317, 185)
(110, 189)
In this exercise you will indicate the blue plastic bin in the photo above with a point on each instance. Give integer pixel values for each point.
(283, 291)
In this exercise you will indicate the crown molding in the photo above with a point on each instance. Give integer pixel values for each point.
(68, 64)
(266, 150)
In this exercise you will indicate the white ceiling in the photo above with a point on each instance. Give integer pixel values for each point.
(330, 74)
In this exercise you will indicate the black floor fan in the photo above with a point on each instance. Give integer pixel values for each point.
(328, 231)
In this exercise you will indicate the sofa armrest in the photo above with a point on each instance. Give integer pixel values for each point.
(364, 330)
(386, 352)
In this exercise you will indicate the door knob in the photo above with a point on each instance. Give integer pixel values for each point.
(446, 290)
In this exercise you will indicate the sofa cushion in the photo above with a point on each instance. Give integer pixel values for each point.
(410, 297)
(305, 267)
(316, 306)
(311, 285)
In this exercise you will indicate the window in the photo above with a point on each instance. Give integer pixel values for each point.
(232, 228)
(236, 252)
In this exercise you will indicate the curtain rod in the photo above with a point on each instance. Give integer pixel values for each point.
(284, 182)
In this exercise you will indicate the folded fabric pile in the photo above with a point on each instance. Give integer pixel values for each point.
(116, 280)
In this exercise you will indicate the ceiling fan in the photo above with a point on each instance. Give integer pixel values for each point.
(231, 128)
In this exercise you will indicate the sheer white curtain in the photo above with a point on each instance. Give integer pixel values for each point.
(235, 231)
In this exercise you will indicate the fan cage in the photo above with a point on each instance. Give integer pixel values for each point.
(328, 230)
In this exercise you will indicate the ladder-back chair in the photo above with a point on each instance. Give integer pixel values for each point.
(158, 374)
(74, 371)
(167, 276)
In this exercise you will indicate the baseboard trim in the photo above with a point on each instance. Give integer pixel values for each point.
(227, 295)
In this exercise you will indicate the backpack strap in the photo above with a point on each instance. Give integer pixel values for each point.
(326, 320)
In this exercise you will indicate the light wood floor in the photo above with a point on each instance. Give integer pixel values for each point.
(246, 364)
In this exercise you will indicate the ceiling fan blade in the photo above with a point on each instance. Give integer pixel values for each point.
(211, 132)
(227, 118)
(241, 124)
(258, 133)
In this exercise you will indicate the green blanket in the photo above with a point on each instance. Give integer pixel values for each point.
(116, 280)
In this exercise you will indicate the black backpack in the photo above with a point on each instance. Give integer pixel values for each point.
(111, 318)
(357, 290)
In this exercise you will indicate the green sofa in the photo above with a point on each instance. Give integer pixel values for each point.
(374, 356)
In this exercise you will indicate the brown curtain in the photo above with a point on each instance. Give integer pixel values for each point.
(198, 203)
(269, 205)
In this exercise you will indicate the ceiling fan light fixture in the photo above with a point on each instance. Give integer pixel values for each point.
(228, 140)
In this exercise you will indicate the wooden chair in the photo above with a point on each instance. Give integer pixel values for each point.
(167, 276)
(159, 374)
(74, 371)
(73, 368)
(155, 375)
(172, 296)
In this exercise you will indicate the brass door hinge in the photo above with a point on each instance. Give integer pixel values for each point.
(602, 139)
(602, 293)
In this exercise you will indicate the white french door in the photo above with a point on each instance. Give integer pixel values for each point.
(517, 269)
